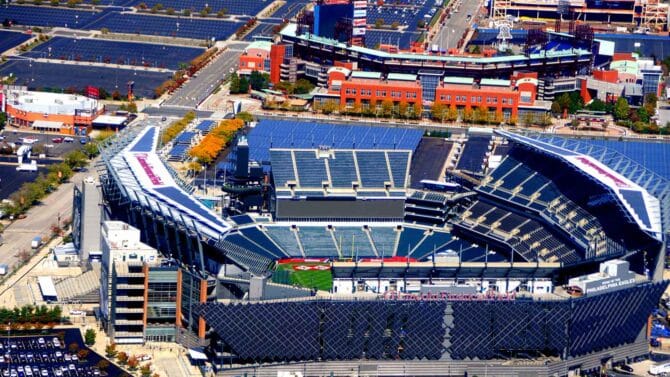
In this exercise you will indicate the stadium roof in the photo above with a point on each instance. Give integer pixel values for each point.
(290, 134)
(290, 31)
(640, 205)
(148, 181)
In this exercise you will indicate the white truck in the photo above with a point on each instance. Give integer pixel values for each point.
(36, 242)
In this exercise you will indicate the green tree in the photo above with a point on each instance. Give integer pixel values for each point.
(329, 106)
(258, 80)
(75, 159)
(438, 111)
(556, 108)
(245, 116)
(621, 109)
(186, 12)
(402, 109)
(452, 114)
(387, 108)
(234, 83)
(303, 86)
(170, 11)
(643, 115)
(221, 13)
(244, 85)
(379, 23)
(110, 351)
(528, 119)
(89, 337)
(596, 105)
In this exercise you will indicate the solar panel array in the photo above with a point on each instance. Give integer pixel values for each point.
(402, 40)
(653, 155)
(63, 76)
(10, 39)
(237, 7)
(285, 134)
(113, 52)
(50, 17)
(205, 126)
(166, 26)
(406, 15)
(290, 9)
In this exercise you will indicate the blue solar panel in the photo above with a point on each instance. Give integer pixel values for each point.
(113, 52)
(205, 126)
(57, 76)
(9, 39)
(285, 134)
(635, 199)
(652, 155)
(185, 137)
(189, 202)
(146, 142)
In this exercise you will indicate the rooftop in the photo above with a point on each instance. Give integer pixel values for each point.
(458, 80)
(366, 75)
(51, 103)
(401, 77)
(495, 82)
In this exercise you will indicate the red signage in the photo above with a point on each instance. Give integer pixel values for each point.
(443, 296)
(142, 159)
(92, 92)
(318, 267)
(617, 181)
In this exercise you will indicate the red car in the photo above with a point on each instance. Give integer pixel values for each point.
(57, 140)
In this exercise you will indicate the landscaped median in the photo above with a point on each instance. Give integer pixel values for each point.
(31, 193)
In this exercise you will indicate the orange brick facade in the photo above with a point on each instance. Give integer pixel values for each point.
(21, 118)
(364, 92)
(500, 101)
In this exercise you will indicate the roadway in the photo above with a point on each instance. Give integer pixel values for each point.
(198, 88)
(453, 28)
(39, 219)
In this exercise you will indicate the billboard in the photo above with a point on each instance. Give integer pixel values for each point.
(360, 22)
(360, 13)
(358, 31)
(360, 4)
(326, 17)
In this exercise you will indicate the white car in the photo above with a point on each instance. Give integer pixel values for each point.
(660, 369)
(68, 139)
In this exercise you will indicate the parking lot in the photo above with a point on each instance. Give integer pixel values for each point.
(50, 356)
(53, 148)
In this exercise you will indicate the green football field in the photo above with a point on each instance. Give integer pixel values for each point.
(319, 279)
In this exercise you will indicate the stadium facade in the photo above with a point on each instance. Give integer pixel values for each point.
(452, 282)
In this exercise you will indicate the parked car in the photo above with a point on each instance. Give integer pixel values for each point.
(661, 369)
(68, 139)
(57, 140)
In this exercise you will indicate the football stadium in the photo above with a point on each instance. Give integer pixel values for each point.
(383, 251)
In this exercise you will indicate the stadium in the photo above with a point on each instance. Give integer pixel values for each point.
(350, 237)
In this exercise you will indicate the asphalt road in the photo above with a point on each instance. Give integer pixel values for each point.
(39, 219)
(454, 27)
(196, 89)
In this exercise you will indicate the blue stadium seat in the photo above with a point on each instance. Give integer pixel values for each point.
(284, 237)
